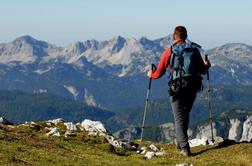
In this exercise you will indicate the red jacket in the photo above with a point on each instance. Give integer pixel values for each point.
(164, 62)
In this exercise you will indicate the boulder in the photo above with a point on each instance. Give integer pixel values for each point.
(198, 142)
(154, 148)
(149, 155)
(72, 127)
(160, 153)
(235, 131)
(56, 121)
(247, 130)
(4, 121)
(93, 126)
(184, 164)
(54, 132)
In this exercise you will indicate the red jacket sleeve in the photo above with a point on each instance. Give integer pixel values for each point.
(163, 64)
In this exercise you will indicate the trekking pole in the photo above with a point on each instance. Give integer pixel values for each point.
(209, 102)
(153, 68)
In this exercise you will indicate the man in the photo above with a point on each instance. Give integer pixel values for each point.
(185, 81)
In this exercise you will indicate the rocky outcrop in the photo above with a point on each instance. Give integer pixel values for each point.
(235, 125)
(205, 130)
(93, 126)
(163, 133)
(235, 130)
(247, 130)
(58, 127)
(167, 132)
(128, 134)
(4, 121)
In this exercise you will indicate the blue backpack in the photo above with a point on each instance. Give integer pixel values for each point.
(185, 65)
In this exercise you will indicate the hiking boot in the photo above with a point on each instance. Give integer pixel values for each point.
(186, 152)
(177, 145)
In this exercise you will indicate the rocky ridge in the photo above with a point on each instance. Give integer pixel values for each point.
(235, 125)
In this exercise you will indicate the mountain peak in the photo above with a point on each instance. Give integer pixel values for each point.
(143, 39)
(27, 46)
(150, 44)
(164, 41)
(76, 48)
(238, 51)
(118, 43)
(235, 45)
(118, 38)
(93, 44)
(26, 39)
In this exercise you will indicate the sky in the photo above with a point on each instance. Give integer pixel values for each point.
(210, 23)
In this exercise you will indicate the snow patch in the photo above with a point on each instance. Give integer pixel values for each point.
(124, 72)
(40, 91)
(42, 71)
(72, 90)
(89, 98)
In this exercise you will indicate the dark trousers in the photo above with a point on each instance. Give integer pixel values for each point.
(181, 107)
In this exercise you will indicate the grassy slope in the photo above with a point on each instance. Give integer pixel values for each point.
(29, 146)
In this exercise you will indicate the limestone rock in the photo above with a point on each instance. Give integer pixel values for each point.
(4, 121)
(149, 155)
(93, 126)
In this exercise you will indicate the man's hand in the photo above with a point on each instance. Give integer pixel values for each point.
(149, 74)
(207, 63)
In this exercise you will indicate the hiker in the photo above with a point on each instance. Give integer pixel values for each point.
(186, 67)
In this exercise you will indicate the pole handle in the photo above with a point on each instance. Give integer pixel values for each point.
(206, 59)
(153, 69)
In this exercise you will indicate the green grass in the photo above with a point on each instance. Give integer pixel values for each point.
(25, 145)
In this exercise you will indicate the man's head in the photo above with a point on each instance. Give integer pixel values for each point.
(180, 33)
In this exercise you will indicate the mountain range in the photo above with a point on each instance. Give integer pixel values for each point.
(106, 74)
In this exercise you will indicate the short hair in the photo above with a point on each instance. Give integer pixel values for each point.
(181, 32)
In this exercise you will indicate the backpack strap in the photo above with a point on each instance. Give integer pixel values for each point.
(180, 58)
(171, 62)
(171, 57)
(195, 44)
